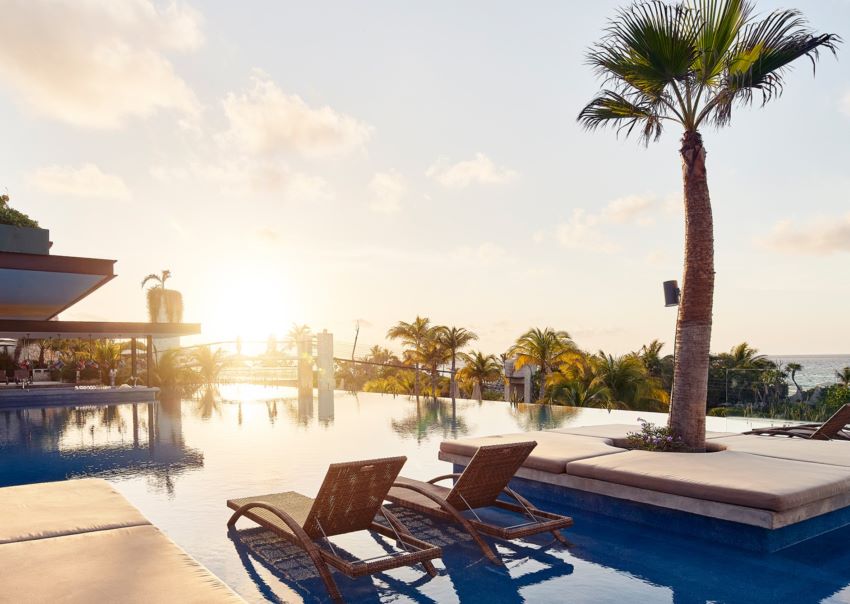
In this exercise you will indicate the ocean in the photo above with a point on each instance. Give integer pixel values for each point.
(818, 369)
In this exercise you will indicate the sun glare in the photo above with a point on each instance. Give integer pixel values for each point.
(256, 302)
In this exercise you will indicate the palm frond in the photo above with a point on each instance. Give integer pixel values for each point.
(611, 108)
(721, 23)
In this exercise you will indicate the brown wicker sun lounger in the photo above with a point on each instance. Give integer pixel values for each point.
(481, 483)
(348, 501)
(831, 429)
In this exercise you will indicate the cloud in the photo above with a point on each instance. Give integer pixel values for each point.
(583, 229)
(241, 175)
(86, 181)
(820, 237)
(264, 120)
(480, 170)
(582, 232)
(630, 209)
(100, 62)
(387, 190)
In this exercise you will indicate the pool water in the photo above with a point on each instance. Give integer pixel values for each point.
(178, 461)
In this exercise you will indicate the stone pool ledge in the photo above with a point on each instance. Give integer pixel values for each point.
(82, 541)
(756, 492)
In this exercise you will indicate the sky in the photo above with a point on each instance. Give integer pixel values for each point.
(333, 162)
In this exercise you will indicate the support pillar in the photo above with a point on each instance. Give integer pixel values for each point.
(133, 361)
(327, 378)
(526, 384)
(305, 375)
(149, 360)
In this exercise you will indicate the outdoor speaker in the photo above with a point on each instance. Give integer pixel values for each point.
(671, 293)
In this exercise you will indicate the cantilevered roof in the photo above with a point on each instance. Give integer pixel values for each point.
(39, 286)
(41, 330)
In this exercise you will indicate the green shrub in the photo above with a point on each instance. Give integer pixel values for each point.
(13, 217)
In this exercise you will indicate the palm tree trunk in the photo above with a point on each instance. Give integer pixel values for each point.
(452, 383)
(416, 380)
(693, 332)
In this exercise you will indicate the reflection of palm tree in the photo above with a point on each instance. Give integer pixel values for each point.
(453, 339)
(208, 403)
(676, 63)
(529, 416)
(429, 417)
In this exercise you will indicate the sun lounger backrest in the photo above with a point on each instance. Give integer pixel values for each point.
(831, 427)
(488, 473)
(351, 495)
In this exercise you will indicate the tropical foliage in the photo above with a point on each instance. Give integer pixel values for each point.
(12, 217)
(688, 64)
(161, 300)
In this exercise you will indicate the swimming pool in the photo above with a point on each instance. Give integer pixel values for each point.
(180, 461)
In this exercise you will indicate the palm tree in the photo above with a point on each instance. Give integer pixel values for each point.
(412, 335)
(453, 339)
(161, 298)
(107, 355)
(541, 348)
(432, 353)
(650, 354)
(480, 368)
(209, 363)
(843, 376)
(690, 63)
(298, 332)
(794, 368)
(629, 382)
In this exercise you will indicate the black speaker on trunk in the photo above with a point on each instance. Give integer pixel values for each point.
(671, 293)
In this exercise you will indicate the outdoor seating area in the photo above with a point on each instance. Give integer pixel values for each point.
(81, 529)
(768, 493)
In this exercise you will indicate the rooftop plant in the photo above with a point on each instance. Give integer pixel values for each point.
(12, 216)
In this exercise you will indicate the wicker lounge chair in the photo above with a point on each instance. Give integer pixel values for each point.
(831, 429)
(351, 496)
(479, 486)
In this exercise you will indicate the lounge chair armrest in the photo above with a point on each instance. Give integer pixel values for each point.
(444, 477)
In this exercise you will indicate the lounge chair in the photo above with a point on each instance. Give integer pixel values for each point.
(351, 496)
(831, 429)
(479, 486)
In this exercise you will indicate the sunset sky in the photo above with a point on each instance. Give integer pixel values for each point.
(326, 162)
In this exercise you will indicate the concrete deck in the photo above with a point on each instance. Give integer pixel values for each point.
(81, 541)
(757, 492)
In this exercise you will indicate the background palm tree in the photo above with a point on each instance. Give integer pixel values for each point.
(209, 364)
(794, 368)
(412, 336)
(453, 339)
(689, 64)
(158, 298)
(650, 354)
(629, 383)
(479, 368)
(843, 376)
(541, 348)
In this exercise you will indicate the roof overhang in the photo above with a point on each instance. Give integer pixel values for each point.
(94, 330)
(40, 286)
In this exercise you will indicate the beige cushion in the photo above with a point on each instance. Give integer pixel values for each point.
(128, 565)
(833, 452)
(552, 453)
(727, 477)
(50, 509)
(616, 433)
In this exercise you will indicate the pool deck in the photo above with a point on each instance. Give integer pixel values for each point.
(52, 396)
(756, 492)
(82, 541)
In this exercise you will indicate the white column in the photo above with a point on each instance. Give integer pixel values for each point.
(325, 361)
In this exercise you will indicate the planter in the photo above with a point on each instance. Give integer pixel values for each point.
(24, 240)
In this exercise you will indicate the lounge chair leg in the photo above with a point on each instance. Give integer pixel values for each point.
(562, 539)
(400, 528)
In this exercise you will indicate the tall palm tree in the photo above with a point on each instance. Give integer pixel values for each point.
(843, 376)
(480, 368)
(432, 353)
(453, 339)
(629, 382)
(689, 64)
(412, 336)
(794, 368)
(159, 297)
(541, 348)
(650, 354)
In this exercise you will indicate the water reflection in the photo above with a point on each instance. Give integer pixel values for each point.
(541, 417)
(430, 417)
(56, 443)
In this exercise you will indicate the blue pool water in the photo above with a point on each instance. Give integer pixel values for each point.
(179, 461)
